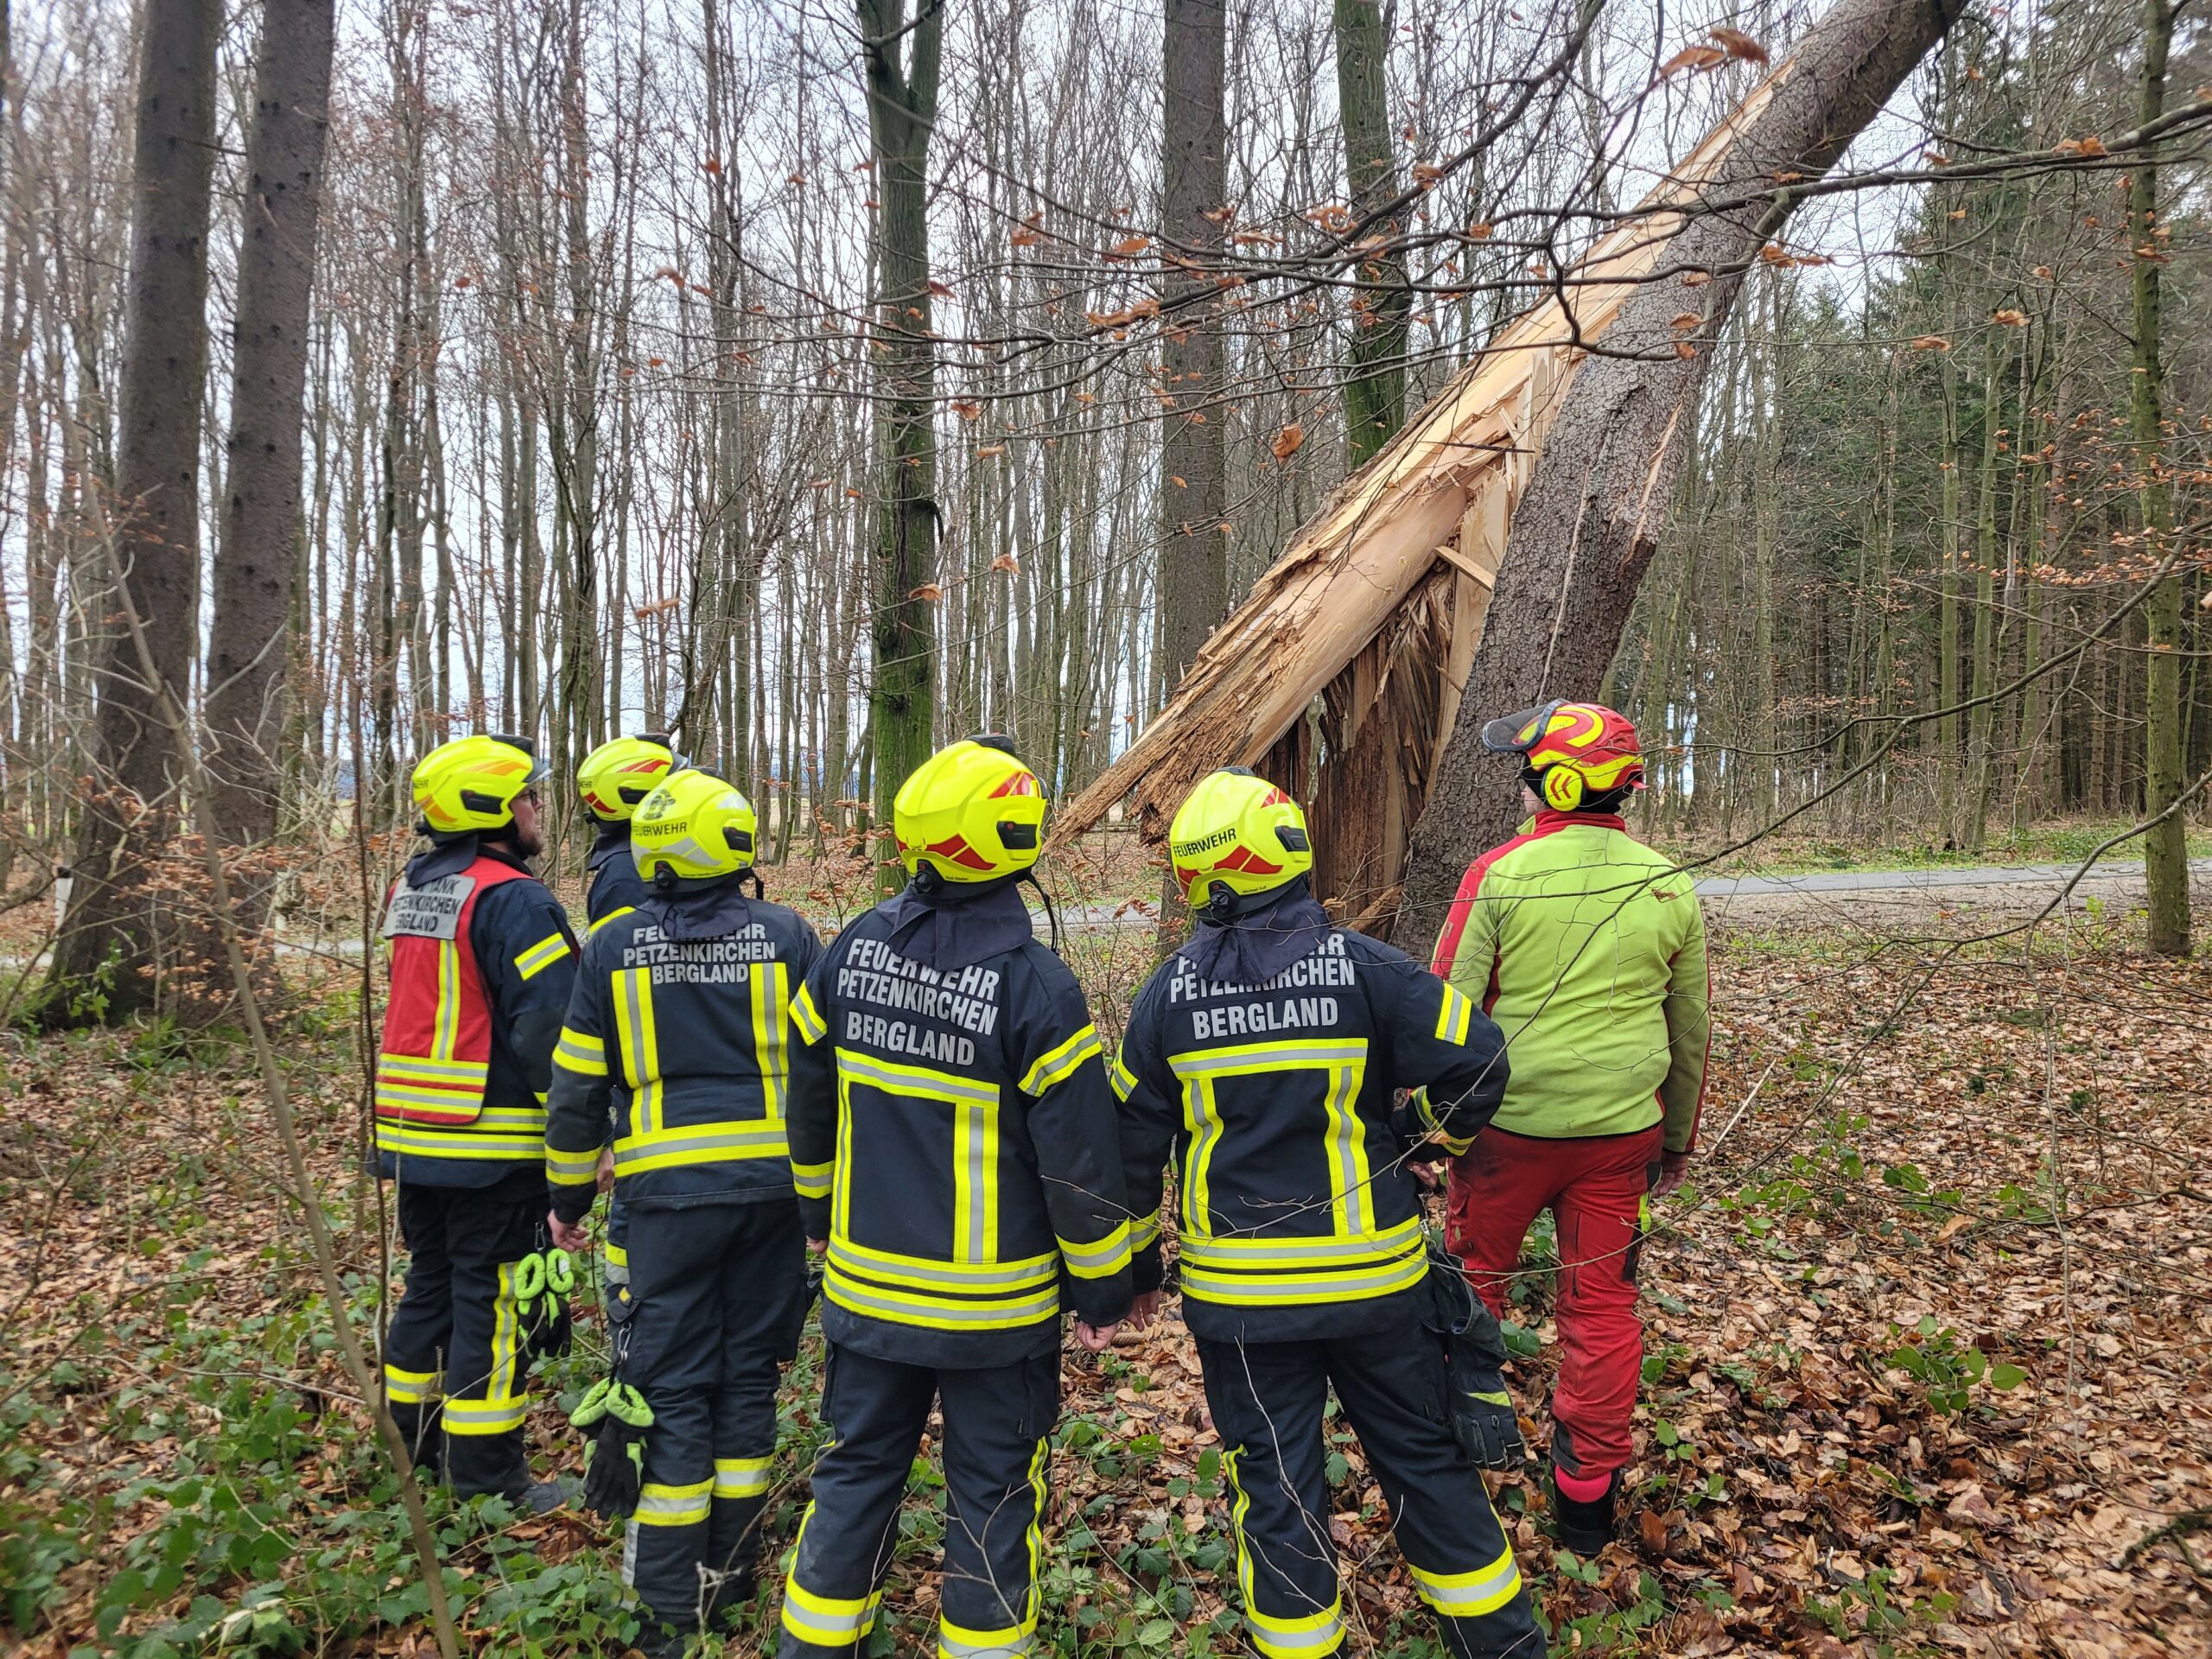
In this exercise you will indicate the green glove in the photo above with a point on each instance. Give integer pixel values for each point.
(614, 1460)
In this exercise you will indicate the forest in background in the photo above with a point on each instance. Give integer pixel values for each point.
(825, 383)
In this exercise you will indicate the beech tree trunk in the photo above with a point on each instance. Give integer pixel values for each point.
(1192, 590)
(1375, 394)
(1587, 527)
(248, 652)
(116, 918)
(901, 110)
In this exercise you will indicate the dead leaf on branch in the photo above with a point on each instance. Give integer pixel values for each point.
(1696, 59)
(1287, 440)
(929, 593)
(1739, 45)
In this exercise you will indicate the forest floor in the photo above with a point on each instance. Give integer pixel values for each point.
(1926, 1371)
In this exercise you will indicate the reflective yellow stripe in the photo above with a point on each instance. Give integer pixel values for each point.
(958, 1641)
(475, 1146)
(938, 1312)
(1101, 1259)
(626, 910)
(812, 1181)
(1061, 1062)
(618, 1255)
(1304, 1638)
(406, 1388)
(413, 1068)
(541, 956)
(1255, 1251)
(1273, 1289)
(634, 1024)
(1455, 1017)
(494, 1415)
(740, 1477)
(822, 1621)
(1456, 1145)
(701, 1143)
(1342, 1062)
(415, 1100)
(662, 1505)
(448, 1026)
(811, 1027)
(771, 1016)
(580, 1052)
(930, 1273)
(1470, 1595)
(571, 1168)
(1123, 1080)
(926, 1081)
(1144, 1233)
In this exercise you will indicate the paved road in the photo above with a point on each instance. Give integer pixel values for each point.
(1913, 881)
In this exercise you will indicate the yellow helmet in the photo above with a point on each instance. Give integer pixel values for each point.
(971, 812)
(1239, 831)
(696, 827)
(471, 783)
(615, 777)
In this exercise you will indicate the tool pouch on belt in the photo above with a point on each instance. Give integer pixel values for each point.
(543, 1281)
(1484, 1420)
(616, 1416)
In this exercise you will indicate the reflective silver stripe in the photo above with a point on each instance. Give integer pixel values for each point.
(699, 1145)
(973, 1127)
(1343, 1110)
(674, 1506)
(740, 1477)
(1026, 1274)
(1276, 1637)
(922, 1080)
(1470, 1595)
(1200, 1063)
(1100, 1252)
(953, 1642)
(1260, 1249)
(926, 1310)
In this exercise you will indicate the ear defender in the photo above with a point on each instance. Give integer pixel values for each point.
(1562, 788)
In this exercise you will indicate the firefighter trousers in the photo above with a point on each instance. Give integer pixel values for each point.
(996, 1422)
(1267, 1400)
(456, 1359)
(1595, 1187)
(717, 1293)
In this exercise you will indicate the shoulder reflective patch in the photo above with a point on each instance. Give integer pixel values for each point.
(1455, 1018)
(429, 911)
(1123, 1079)
(1062, 1062)
(811, 1025)
(580, 1052)
(541, 956)
(626, 910)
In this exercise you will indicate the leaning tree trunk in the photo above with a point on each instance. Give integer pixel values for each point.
(116, 920)
(1587, 527)
(901, 110)
(248, 652)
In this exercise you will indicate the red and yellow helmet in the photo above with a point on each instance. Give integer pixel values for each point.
(616, 777)
(1238, 830)
(971, 812)
(1570, 752)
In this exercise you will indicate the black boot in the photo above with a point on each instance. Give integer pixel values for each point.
(1585, 1525)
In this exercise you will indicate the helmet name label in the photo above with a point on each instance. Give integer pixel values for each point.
(429, 911)
(1257, 1018)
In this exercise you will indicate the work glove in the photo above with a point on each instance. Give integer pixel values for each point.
(543, 1281)
(1484, 1420)
(615, 1457)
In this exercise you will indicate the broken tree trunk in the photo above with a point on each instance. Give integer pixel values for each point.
(1377, 605)
(1589, 523)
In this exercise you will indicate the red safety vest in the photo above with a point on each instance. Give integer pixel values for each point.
(438, 1028)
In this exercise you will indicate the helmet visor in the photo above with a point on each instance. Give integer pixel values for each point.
(1518, 734)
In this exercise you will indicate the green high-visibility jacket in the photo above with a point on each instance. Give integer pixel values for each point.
(1587, 948)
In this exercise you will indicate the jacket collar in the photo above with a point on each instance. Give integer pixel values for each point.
(1547, 821)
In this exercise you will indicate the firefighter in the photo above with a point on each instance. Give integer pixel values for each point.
(614, 778)
(1266, 1054)
(482, 963)
(677, 1031)
(953, 1140)
(1588, 950)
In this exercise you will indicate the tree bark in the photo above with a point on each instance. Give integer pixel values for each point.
(1587, 527)
(902, 111)
(114, 919)
(1375, 394)
(1192, 595)
(254, 567)
(2165, 851)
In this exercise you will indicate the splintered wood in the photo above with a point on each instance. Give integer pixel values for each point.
(1368, 621)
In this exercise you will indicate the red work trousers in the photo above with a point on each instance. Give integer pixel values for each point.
(1595, 1186)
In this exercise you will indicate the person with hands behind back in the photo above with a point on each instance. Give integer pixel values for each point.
(1266, 1054)
(677, 1032)
(953, 1143)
